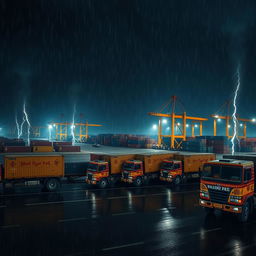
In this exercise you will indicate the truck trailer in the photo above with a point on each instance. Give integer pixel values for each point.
(32, 169)
(184, 166)
(143, 168)
(104, 170)
(229, 185)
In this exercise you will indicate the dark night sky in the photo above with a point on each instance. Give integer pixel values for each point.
(119, 59)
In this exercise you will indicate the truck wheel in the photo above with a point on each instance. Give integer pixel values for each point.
(177, 180)
(103, 183)
(52, 185)
(138, 182)
(244, 215)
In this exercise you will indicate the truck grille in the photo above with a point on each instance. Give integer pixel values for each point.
(126, 174)
(218, 196)
(89, 176)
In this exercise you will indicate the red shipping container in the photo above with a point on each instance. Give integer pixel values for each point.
(17, 149)
(68, 148)
(40, 143)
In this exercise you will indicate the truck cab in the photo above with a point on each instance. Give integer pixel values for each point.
(228, 185)
(171, 171)
(97, 173)
(132, 172)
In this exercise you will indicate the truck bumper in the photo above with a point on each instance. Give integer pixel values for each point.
(93, 182)
(223, 207)
(166, 179)
(127, 180)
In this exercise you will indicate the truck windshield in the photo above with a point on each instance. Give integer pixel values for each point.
(224, 173)
(128, 166)
(92, 167)
(167, 166)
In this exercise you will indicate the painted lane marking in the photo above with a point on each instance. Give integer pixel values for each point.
(207, 231)
(123, 213)
(10, 226)
(122, 246)
(73, 219)
(108, 198)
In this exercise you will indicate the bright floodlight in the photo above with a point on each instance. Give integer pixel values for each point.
(187, 125)
(168, 128)
(164, 121)
(178, 124)
(196, 125)
(241, 125)
(154, 126)
(216, 116)
(219, 119)
(229, 126)
(49, 126)
(254, 120)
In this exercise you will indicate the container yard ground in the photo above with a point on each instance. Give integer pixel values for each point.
(152, 220)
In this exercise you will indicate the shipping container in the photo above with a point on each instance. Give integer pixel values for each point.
(36, 166)
(42, 149)
(40, 143)
(16, 149)
(193, 162)
(152, 162)
(67, 149)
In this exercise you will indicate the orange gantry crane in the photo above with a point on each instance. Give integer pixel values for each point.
(241, 122)
(80, 130)
(176, 139)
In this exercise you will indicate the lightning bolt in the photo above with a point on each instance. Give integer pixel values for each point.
(19, 128)
(234, 118)
(27, 120)
(73, 127)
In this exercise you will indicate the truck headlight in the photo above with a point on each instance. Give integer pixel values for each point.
(169, 176)
(235, 199)
(129, 177)
(204, 194)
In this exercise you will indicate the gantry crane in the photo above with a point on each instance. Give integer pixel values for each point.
(170, 107)
(36, 131)
(217, 117)
(61, 130)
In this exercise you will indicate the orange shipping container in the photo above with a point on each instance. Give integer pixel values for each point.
(152, 162)
(22, 167)
(42, 149)
(193, 162)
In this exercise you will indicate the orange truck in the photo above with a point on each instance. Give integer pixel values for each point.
(183, 166)
(228, 185)
(104, 170)
(143, 168)
(32, 169)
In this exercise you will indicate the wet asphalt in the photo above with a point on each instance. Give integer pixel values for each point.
(153, 220)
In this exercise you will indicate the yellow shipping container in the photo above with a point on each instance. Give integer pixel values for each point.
(42, 149)
(193, 162)
(152, 162)
(36, 166)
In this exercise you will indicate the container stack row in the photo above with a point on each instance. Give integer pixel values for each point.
(125, 140)
(18, 146)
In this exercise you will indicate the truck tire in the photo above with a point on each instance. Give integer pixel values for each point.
(52, 185)
(177, 180)
(103, 183)
(138, 182)
(244, 215)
